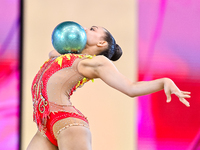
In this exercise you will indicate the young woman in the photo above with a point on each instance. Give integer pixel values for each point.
(60, 125)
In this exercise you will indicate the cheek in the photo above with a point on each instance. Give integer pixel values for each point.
(89, 41)
(92, 39)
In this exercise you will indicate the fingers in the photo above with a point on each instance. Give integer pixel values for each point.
(184, 101)
(185, 96)
(182, 95)
(168, 97)
(185, 92)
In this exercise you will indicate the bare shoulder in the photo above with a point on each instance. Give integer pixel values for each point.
(90, 67)
(96, 61)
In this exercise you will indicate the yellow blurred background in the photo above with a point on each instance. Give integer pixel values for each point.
(111, 114)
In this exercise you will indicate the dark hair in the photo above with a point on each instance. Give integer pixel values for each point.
(114, 51)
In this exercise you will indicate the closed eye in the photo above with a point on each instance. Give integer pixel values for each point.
(92, 29)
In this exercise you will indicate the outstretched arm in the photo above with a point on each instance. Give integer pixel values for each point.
(101, 67)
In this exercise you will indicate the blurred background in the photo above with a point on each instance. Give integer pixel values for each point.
(10, 72)
(159, 38)
(168, 46)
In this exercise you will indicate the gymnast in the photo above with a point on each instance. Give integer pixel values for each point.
(61, 125)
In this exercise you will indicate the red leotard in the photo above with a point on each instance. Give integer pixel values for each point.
(51, 90)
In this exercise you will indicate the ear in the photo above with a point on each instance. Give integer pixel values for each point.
(102, 43)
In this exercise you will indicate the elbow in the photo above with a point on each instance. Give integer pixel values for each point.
(131, 94)
(130, 90)
(133, 91)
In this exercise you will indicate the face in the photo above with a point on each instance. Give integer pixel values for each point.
(94, 34)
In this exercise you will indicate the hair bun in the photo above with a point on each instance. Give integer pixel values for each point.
(117, 54)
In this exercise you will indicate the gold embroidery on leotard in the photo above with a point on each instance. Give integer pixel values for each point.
(45, 103)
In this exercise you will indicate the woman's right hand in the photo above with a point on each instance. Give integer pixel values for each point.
(53, 53)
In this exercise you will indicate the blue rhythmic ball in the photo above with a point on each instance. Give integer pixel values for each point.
(69, 37)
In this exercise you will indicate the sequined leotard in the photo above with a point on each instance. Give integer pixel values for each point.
(51, 90)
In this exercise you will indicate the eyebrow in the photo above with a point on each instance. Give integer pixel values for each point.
(95, 27)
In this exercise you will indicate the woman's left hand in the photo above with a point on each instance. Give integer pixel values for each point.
(171, 88)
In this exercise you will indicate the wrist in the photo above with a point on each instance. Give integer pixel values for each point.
(167, 82)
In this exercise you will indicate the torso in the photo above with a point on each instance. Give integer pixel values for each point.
(54, 84)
